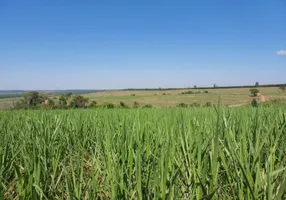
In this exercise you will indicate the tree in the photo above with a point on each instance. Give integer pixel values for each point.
(68, 95)
(93, 104)
(78, 101)
(123, 105)
(48, 103)
(33, 98)
(195, 86)
(256, 84)
(254, 103)
(254, 92)
(215, 86)
(136, 104)
(283, 88)
(62, 101)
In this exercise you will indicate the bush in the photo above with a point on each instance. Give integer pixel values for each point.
(78, 101)
(208, 104)
(136, 104)
(188, 92)
(93, 104)
(254, 103)
(254, 92)
(108, 105)
(191, 92)
(164, 94)
(182, 105)
(206, 91)
(123, 105)
(148, 106)
(132, 95)
(195, 105)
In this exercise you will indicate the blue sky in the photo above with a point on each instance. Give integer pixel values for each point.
(104, 44)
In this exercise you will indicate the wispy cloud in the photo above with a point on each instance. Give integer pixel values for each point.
(281, 53)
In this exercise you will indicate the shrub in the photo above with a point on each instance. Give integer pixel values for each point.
(148, 106)
(254, 103)
(93, 104)
(254, 92)
(123, 105)
(136, 104)
(182, 105)
(164, 94)
(194, 105)
(132, 95)
(78, 101)
(206, 91)
(191, 92)
(283, 88)
(108, 105)
(188, 92)
(208, 104)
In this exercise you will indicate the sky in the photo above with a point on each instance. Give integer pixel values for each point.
(116, 44)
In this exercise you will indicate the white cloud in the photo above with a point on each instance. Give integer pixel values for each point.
(281, 53)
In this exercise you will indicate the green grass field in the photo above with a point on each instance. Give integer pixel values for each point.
(164, 153)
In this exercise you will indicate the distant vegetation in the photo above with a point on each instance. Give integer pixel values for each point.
(196, 92)
(36, 100)
(217, 87)
(4, 96)
(254, 92)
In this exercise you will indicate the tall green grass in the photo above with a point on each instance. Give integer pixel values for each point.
(198, 153)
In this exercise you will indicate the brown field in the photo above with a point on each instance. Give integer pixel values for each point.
(229, 97)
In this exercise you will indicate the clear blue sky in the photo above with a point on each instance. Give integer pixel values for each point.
(103, 44)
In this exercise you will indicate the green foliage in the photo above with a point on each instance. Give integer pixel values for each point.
(123, 105)
(63, 101)
(191, 92)
(194, 105)
(132, 95)
(33, 98)
(93, 104)
(78, 101)
(108, 105)
(143, 154)
(208, 104)
(283, 88)
(206, 91)
(136, 104)
(148, 106)
(48, 104)
(254, 91)
(68, 95)
(254, 103)
(182, 105)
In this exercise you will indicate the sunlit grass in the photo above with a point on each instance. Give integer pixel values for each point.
(197, 153)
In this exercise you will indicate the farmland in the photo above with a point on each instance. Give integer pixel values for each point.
(161, 153)
(171, 98)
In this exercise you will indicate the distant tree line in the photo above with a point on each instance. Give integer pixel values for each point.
(35, 100)
(214, 86)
